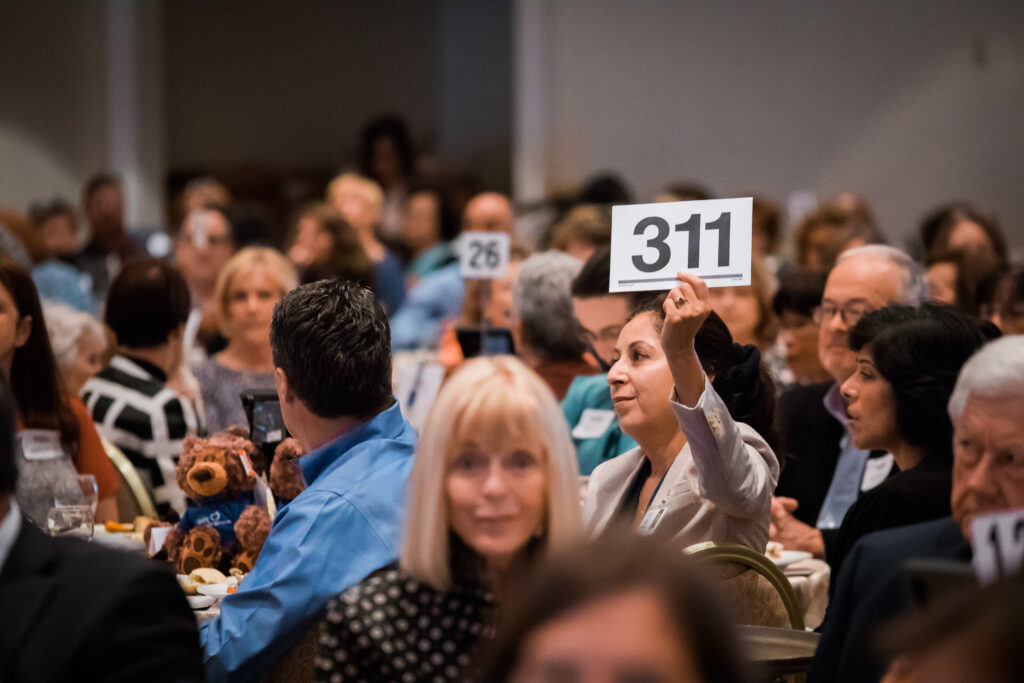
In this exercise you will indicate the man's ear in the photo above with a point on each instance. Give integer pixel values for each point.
(284, 392)
(23, 332)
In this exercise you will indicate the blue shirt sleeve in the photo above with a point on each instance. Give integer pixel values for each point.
(320, 544)
(436, 298)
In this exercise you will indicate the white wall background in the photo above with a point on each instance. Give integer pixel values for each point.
(145, 88)
(53, 112)
(910, 103)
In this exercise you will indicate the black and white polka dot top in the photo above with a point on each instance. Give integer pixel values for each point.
(391, 627)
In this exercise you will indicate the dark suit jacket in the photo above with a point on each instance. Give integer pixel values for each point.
(918, 495)
(73, 610)
(870, 591)
(810, 442)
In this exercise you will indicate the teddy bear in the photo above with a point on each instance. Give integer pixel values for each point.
(224, 525)
(285, 477)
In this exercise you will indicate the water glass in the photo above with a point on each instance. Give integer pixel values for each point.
(90, 493)
(74, 521)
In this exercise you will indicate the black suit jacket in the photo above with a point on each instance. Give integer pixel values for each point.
(870, 591)
(72, 610)
(810, 441)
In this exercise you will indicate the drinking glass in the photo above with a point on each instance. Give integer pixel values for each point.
(73, 521)
(90, 493)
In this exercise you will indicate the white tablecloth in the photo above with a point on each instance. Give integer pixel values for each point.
(810, 579)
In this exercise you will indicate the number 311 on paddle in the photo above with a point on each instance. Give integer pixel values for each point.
(652, 242)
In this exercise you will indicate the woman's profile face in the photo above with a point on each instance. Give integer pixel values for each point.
(871, 406)
(496, 491)
(620, 637)
(252, 296)
(640, 379)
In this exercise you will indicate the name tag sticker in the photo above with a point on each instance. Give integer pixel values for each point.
(652, 242)
(875, 471)
(40, 444)
(650, 521)
(593, 423)
(246, 464)
(998, 542)
(483, 255)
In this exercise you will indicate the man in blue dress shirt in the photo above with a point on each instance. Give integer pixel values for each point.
(332, 361)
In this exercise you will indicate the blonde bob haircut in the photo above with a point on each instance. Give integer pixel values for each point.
(500, 397)
(277, 267)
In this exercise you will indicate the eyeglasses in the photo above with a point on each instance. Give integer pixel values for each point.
(850, 313)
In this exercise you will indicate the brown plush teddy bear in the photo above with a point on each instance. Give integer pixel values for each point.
(212, 474)
(285, 476)
(252, 529)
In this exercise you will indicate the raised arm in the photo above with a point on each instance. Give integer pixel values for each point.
(687, 306)
(736, 469)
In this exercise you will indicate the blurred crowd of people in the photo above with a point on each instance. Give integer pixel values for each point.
(857, 401)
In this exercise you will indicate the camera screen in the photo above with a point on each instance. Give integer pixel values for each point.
(267, 424)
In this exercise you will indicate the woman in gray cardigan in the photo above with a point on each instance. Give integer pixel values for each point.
(702, 409)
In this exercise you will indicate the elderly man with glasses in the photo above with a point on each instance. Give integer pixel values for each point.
(825, 472)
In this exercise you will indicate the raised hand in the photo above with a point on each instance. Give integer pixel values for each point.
(687, 306)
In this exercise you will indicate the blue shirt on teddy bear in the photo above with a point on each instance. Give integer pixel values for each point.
(218, 515)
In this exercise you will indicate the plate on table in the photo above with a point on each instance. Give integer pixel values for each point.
(200, 601)
(787, 557)
(214, 590)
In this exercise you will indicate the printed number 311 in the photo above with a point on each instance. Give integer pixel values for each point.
(692, 227)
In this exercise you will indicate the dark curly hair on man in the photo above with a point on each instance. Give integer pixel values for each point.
(331, 338)
(919, 352)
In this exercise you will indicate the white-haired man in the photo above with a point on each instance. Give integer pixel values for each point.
(825, 472)
(987, 409)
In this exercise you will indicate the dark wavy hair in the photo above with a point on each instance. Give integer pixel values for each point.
(332, 340)
(919, 352)
(736, 371)
(36, 383)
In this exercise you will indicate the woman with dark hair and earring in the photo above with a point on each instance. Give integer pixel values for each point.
(55, 433)
(701, 408)
(908, 360)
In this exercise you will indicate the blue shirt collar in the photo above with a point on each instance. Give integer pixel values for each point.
(387, 424)
(835, 404)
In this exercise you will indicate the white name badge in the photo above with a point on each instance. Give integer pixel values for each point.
(875, 471)
(652, 242)
(483, 255)
(40, 444)
(650, 521)
(593, 423)
(998, 542)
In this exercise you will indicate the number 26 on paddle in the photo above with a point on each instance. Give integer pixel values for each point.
(483, 255)
(652, 242)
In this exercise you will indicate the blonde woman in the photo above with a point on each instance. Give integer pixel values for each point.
(248, 288)
(493, 486)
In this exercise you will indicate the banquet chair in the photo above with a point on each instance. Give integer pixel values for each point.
(132, 497)
(761, 591)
